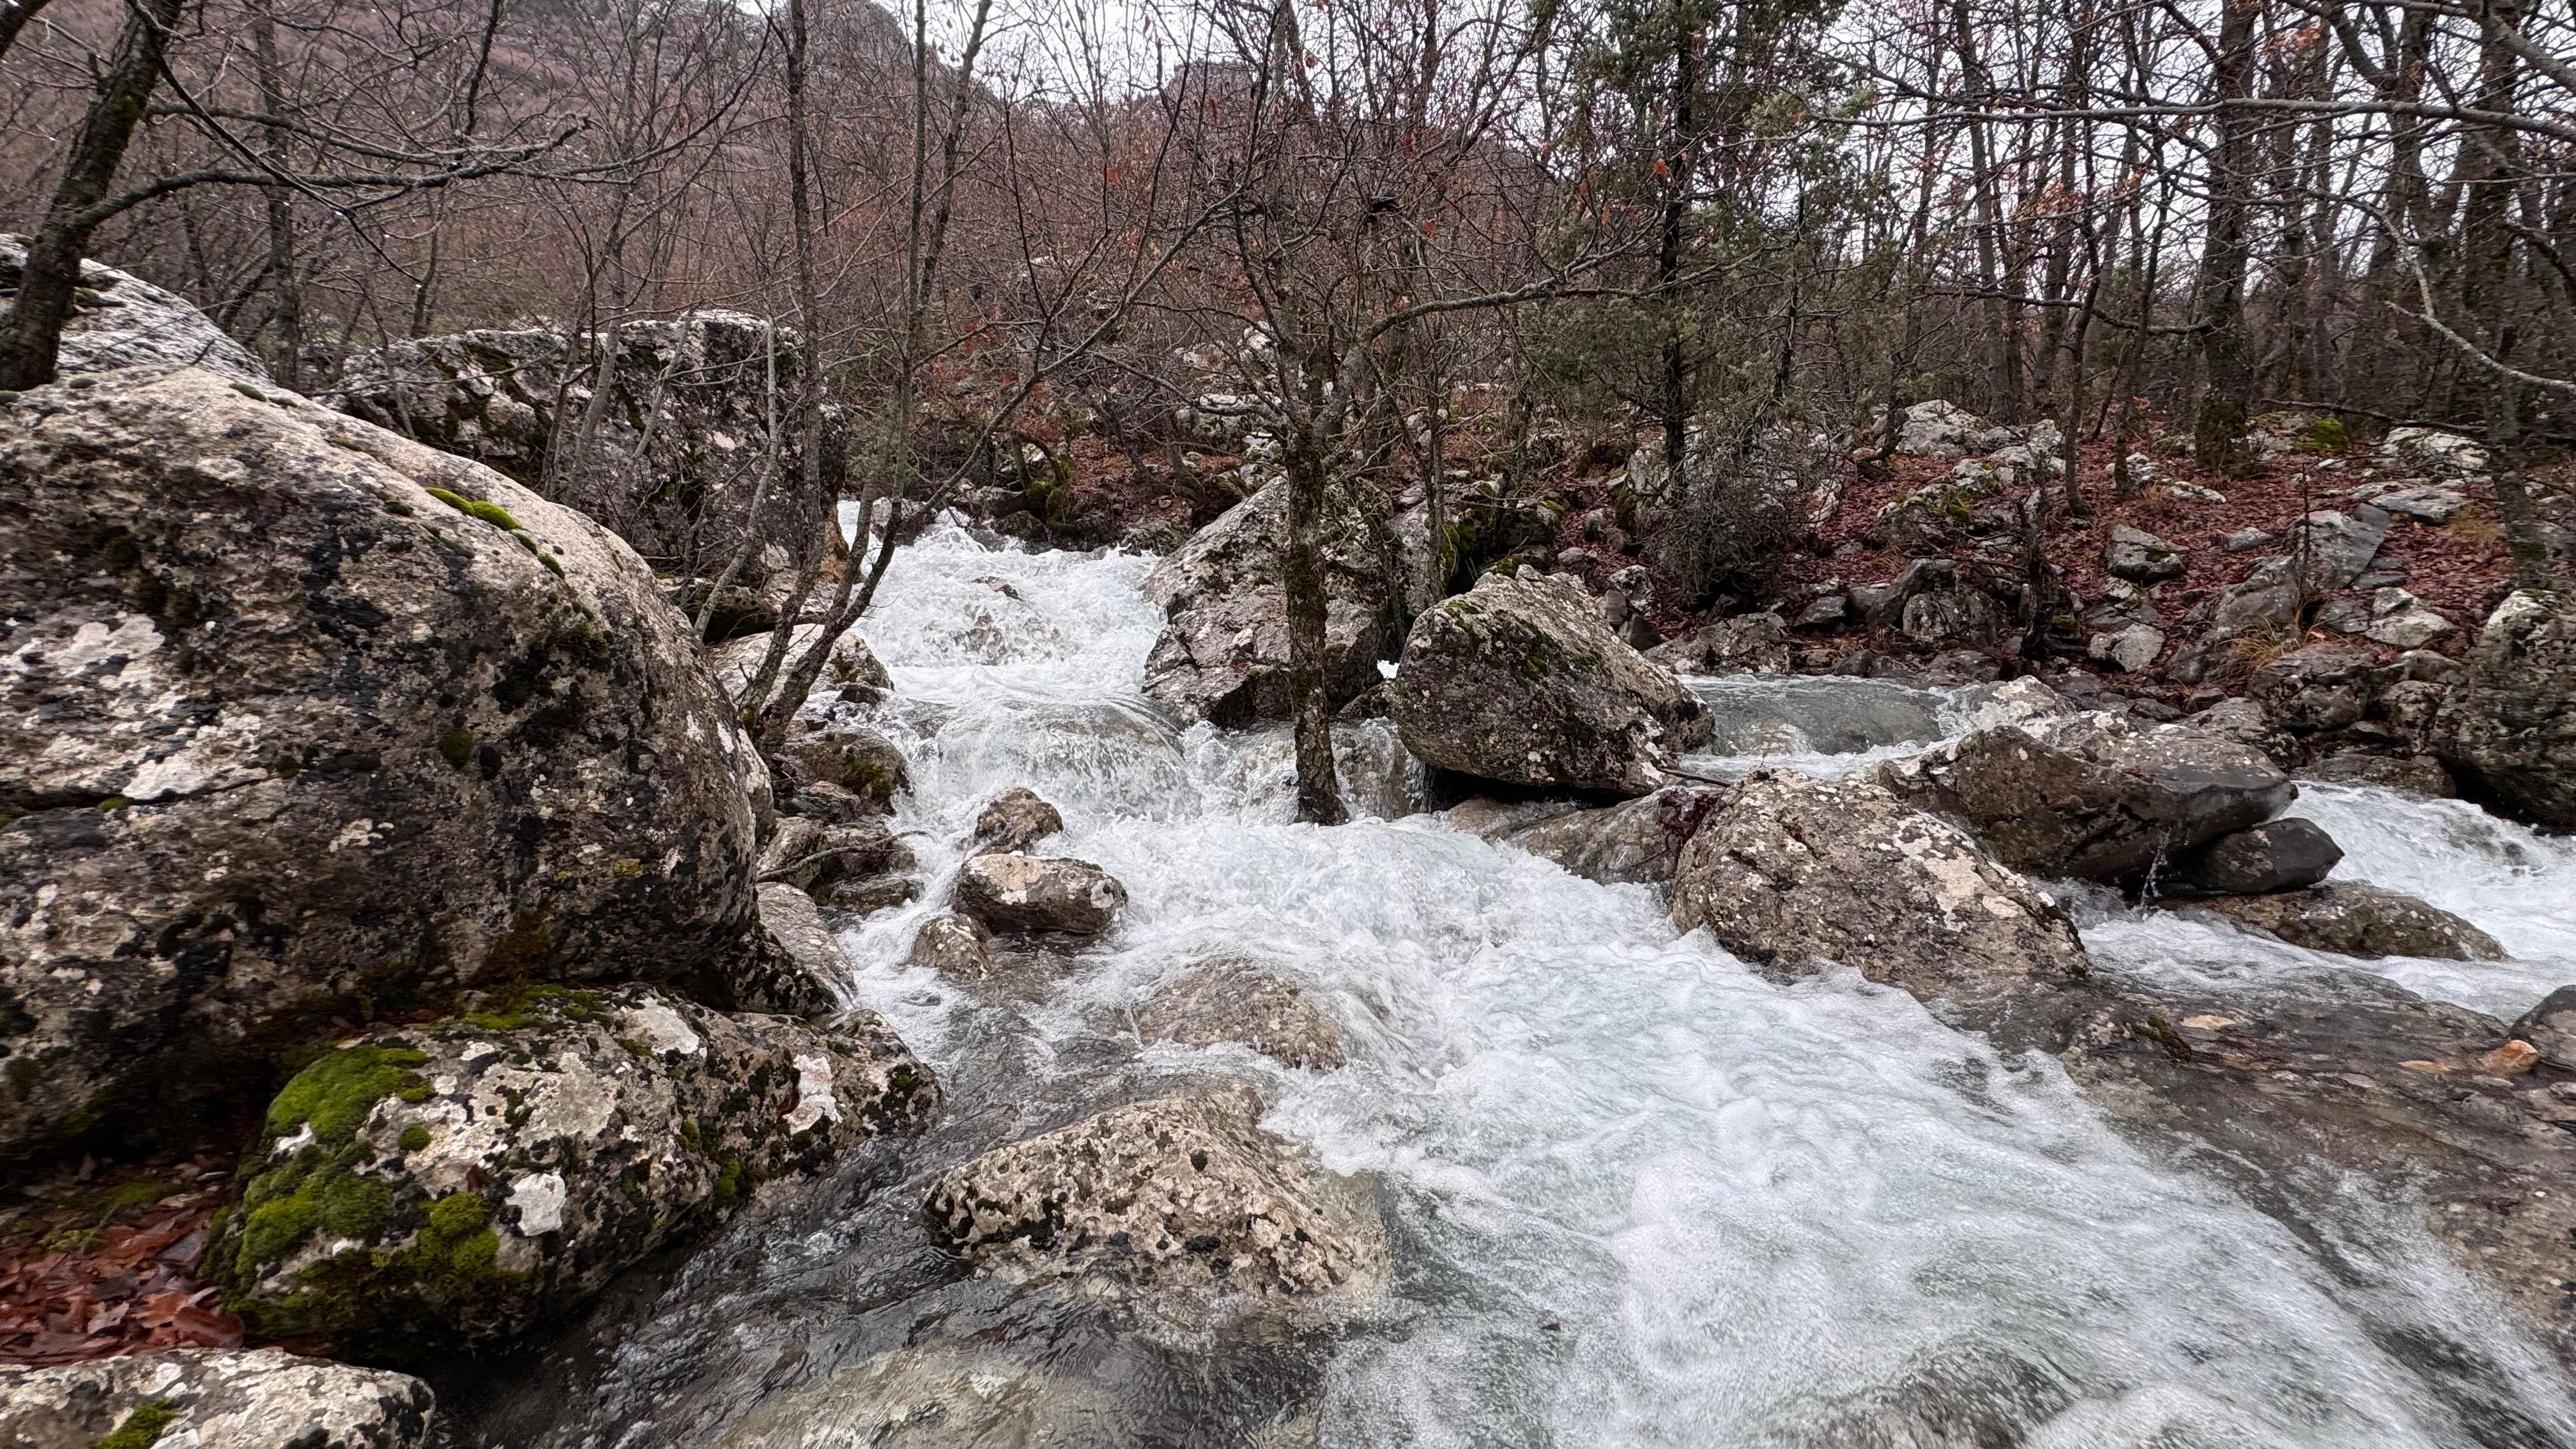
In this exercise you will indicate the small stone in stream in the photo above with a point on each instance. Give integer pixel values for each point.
(863, 762)
(1015, 820)
(2351, 919)
(1027, 893)
(869, 895)
(2141, 557)
(954, 946)
(795, 851)
(2244, 539)
(2274, 856)
(1233, 1000)
(2510, 1060)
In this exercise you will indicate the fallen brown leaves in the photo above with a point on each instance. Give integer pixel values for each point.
(102, 1274)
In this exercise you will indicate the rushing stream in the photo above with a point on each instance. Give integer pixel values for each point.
(1639, 1195)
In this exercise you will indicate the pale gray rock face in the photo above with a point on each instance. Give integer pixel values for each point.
(2276, 855)
(677, 459)
(2510, 732)
(286, 739)
(1180, 1198)
(1790, 871)
(955, 946)
(120, 320)
(1746, 644)
(1223, 654)
(2351, 919)
(1967, 618)
(2129, 650)
(2424, 504)
(797, 926)
(2328, 551)
(1231, 1000)
(2141, 557)
(452, 1186)
(215, 1399)
(2316, 689)
(1519, 681)
(1882, 606)
(1635, 842)
(1031, 894)
(1938, 429)
(2550, 1027)
(851, 663)
(2403, 621)
(939, 1395)
(1015, 820)
(2091, 796)
(2432, 450)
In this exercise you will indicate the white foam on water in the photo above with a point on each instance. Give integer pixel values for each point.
(1641, 1194)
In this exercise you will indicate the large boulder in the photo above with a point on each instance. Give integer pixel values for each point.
(1791, 872)
(2328, 551)
(2352, 919)
(675, 459)
(1038, 895)
(2091, 796)
(290, 740)
(1180, 1196)
(1518, 680)
(120, 320)
(197, 1398)
(1223, 654)
(2276, 855)
(452, 1186)
(2510, 732)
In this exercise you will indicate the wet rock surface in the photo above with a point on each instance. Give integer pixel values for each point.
(2511, 734)
(1223, 654)
(2351, 919)
(1792, 872)
(1012, 892)
(2277, 855)
(288, 738)
(1518, 680)
(1233, 1000)
(956, 947)
(213, 1399)
(455, 1185)
(1013, 821)
(1636, 842)
(2090, 795)
(2359, 1075)
(1181, 1196)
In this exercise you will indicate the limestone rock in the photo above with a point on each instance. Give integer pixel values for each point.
(1938, 429)
(452, 1186)
(1223, 654)
(2328, 551)
(860, 761)
(1519, 681)
(2423, 504)
(793, 922)
(120, 320)
(1233, 1000)
(1745, 644)
(1013, 821)
(954, 946)
(1179, 1195)
(1967, 618)
(1882, 606)
(2350, 919)
(2316, 689)
(285, 736)
(2141, 557)
(2089, 795)
(2419, 775)
(1790, 870)
(213, 1399)
(2403, 621)
(2132, 650)
(675, 461)
(2510, 733)
(2432, 450)
(1013, 892)
(851, 665)
(1634, 842)
(2277, 855)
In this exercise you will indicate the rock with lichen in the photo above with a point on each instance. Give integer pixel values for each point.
(302, 721)
(1518, 680)
(1230, 1000)
(2349, 918)
(200, 1398)
(120, 320)
(448, 1187)
(1038, 895)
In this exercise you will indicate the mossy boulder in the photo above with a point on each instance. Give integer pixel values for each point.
(366, 750)
(198, 1398)
(450, 1186)
(1519, 680)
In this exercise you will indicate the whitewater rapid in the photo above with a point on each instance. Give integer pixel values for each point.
(1639, 1194)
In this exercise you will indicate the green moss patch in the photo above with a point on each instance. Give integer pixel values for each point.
(489, 512)
(336, 1093)
(144, 1427)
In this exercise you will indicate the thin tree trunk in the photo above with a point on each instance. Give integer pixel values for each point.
(1319, 789)
(2226, 358)
(281, 206)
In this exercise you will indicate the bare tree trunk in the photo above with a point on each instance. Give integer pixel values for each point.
(31, 331)
(1668, 265)
(2492, 168)
(280, 206)
(2226, 358)
(1319, 788)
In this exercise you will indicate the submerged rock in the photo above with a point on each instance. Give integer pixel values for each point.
(2277, 855)
(2351, 919)
(1233, 1000)
(2089, 795)
(452, 1186)
(289, 738)
(198, 1398)
(1028, 893)
(1223, 654)
(1179, 1197)
(2510, 733)
(1789, 872)
(1519, 681)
